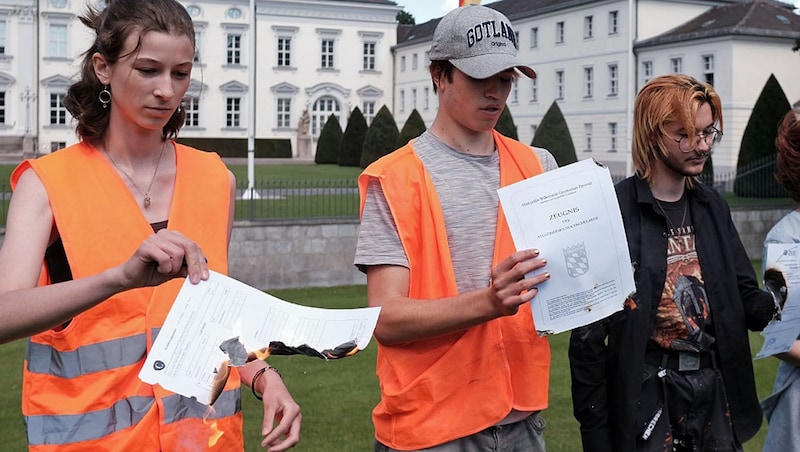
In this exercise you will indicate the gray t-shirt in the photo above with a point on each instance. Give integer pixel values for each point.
(467, 188)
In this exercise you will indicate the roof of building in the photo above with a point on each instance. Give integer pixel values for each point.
(743, 17)
(763, 18)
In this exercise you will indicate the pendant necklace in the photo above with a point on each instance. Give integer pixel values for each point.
(683, 220)
(145, 193)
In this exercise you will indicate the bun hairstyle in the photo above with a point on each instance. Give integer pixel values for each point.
(112, 26)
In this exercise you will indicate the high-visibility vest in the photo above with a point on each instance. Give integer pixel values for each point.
(437, 390)
(81, 389)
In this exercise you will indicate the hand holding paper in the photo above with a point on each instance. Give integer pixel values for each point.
(572, 216)
(221, 322)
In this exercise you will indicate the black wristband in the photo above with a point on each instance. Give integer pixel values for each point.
(259, 373)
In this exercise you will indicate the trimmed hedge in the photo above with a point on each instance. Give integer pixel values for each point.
(237, 147)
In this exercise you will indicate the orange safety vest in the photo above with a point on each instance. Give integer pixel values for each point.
(81, 390)
(449, 387)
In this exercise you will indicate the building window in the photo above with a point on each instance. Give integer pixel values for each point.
(58, 114)
(676, 64)
(534, 37)
(323, 108)
(56, 145)
(3, 107)
(369, 56)
(587, 131)
(514, 96)
(534, 90)
(612, 135)
(369, 111)
(613, 22)
(559, 85)
(588, 82)
(284, 113)
(588, 27)
(198, 44)
(708, 68)
(233, 111)
(191, 105)
(414, 62)
(559, 32)
(57, 40)
(413, 98)
(403, 63)
(326, 54)
(613, 80)
(234, 13)
(234, 48)
(402, 100)
(2, 37)
(284, 51)
(647, 71)
(426, 101)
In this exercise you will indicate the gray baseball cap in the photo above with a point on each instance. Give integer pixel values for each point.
(479, 41)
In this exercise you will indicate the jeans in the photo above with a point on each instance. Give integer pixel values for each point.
(526, 435)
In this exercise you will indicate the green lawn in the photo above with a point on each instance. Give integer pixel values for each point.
(337, 396)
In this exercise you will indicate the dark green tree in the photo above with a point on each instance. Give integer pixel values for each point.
(505, 125)
(353, 139)
(756, 164)
(553, 135)
(329, 142)
(413, 128)
(381, 137)
(405, 18)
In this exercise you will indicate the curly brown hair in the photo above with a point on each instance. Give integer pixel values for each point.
(787, 145)
(112, 26)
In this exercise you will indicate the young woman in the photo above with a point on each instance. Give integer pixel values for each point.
(119, 220)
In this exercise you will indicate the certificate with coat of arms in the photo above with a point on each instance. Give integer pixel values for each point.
(571, 215)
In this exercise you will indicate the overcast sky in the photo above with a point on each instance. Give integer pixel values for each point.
(425, 10)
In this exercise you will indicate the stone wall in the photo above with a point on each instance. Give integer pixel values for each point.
(320, 254)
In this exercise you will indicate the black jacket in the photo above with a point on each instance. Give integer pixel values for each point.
(606, 379)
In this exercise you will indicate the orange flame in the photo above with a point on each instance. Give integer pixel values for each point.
(262, 354)
(216, 432)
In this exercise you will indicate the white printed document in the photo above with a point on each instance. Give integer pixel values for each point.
(571, 215)
(779, 335)
(222, 322)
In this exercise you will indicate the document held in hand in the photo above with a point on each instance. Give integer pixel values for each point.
(221, 323)
(780, 334)
(571, 215)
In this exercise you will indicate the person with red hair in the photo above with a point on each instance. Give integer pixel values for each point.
(782, 408)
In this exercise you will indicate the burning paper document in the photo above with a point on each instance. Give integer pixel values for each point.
(222, 322)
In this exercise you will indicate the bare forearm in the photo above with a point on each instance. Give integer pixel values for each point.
(409, 320)
(25, 312)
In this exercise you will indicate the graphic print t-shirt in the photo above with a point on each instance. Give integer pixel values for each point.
(683, 313)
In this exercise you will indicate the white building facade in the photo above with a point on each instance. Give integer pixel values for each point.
(323, 56)
(593, 56)
(262, 63)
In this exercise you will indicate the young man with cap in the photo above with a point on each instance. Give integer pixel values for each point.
(459, 361)
(672, 371)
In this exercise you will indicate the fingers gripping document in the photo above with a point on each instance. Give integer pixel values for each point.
(222, 322)
(783, 261)
(572, 216)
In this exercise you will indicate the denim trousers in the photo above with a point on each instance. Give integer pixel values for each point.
(526, 435)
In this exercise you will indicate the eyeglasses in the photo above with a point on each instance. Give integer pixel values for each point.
(711, 136)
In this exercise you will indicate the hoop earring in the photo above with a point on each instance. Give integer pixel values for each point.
(104, 97)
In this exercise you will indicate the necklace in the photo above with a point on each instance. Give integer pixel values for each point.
(683, 220)
(145, 193)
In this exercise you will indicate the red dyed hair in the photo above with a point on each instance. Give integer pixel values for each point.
(787, 144)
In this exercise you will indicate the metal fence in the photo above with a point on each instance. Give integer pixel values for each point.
(278, 199)
(283, 199)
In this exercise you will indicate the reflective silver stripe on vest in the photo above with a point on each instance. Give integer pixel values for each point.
(44, 359)
(71, 428)
(177, 407)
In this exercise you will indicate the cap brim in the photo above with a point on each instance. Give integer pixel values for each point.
(485, 66)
